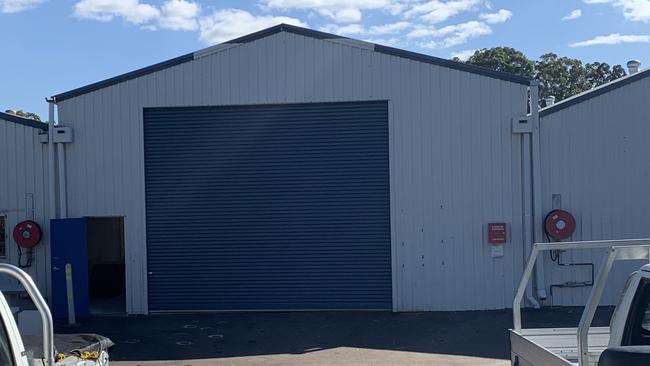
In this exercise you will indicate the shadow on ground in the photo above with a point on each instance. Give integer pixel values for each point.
(223, 335)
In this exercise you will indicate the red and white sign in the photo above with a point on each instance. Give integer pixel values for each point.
(497, 233)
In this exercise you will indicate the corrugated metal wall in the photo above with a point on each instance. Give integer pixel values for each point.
(595, 154)
(454, 163)
(23, 159)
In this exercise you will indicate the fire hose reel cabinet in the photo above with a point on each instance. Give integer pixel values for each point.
(27, 234)
(559, 225)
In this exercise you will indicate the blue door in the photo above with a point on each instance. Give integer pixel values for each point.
(69, 238)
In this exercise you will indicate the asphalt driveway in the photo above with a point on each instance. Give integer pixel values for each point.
(320, 338)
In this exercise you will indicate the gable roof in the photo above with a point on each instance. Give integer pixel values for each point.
(592, 93)
(23, 121)
(303, 32)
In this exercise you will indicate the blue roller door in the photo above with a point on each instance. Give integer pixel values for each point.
(268, 207)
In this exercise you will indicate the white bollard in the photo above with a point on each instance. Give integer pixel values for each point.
(70, 292)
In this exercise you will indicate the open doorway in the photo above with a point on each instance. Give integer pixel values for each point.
(106, 265)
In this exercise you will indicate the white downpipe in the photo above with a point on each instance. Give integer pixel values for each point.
(63, 198)
(528, 211)
(50, 160)
(60, 147)
(536, 158)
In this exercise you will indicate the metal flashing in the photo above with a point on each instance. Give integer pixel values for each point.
(354, 43)
(592, 93)
(23, 121)
(213, 49)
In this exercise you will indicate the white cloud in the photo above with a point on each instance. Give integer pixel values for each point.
(417, 17)
(342, 11)
(463, 55)
(348, 15)
(574, 14)
(460, 33)
(105, 10)
(15, 6)
(500, 16)
(226, 24)
(614, 38)
(173, 14)
(179, 15)
(384, 41)
(634, 10)
(360, 29)
(452, 35)
(436, 11)
(344, 30)
(389, 28)
(422, 32)
(396, 7)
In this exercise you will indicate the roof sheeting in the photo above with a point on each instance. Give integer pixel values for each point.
(300, 31)
(23, 121)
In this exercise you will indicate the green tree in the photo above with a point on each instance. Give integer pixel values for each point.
(561, 77)
(24, 114)
(601, 73)
(505, 59)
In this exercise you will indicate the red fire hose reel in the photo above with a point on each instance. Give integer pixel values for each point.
(27, 234)
(559, 225)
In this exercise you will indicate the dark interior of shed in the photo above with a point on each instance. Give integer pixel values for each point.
(106, 265)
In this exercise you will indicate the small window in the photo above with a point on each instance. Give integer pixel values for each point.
(3, 237)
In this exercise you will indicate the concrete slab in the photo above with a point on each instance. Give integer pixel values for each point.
(320, 338)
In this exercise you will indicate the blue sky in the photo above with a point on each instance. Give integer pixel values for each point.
(51, 46)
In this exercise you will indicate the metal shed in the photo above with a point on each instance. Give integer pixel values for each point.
(595, 164)
(294, 169)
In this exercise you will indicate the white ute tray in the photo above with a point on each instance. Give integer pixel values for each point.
(555, 346)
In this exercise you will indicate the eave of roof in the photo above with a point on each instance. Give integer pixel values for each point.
(303, 32)
(592, 93)
(23, 121)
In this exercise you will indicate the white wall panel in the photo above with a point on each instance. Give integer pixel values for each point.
(23, 159)
(454, 163)
(595, 155)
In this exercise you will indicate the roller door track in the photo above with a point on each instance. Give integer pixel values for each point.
(268, 207)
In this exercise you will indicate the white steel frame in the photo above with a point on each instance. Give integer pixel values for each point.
(624, 249)
(41, 306)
